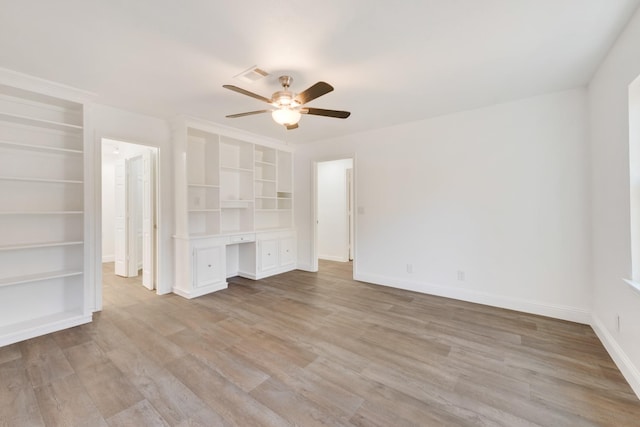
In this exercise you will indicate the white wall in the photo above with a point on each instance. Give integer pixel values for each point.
(113, 123)
(500, 193)
(609, 132)
(333, 224)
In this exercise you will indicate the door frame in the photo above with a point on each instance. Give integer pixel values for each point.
(314, 208)
(95, 226)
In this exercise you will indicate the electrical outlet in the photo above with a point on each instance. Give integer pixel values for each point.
(409, 268)
(461, 275)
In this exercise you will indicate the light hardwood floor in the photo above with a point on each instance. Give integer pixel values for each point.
(311, 349)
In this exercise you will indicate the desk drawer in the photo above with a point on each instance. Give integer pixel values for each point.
(243, 238)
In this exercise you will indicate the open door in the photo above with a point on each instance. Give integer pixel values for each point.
(148, 220)
(133, 210)
(128, 238)
(121, 217)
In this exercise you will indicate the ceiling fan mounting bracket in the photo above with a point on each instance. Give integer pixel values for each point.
(285, 81)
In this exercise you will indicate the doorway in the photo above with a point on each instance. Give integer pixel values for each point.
(334, 237)
(129, 211)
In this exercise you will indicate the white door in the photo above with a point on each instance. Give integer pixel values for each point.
(147, 220)
(128, 233)
(120, 241)
(133, 167)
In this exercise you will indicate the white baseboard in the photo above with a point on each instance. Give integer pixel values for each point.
(306, 267)
(622, 361)
(333, 258)
(572, 314)
(194, 293)
(108, 258)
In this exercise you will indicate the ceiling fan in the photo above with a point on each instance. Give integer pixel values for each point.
(289, 107)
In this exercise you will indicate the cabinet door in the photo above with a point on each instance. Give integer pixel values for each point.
(287, 251)
(268, 254)
(209, 266)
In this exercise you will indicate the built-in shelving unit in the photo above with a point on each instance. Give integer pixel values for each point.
(236, 188)
(42, 256)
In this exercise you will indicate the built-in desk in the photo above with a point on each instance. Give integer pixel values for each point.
(213, 259)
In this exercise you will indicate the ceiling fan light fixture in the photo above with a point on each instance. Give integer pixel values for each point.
(286, 116)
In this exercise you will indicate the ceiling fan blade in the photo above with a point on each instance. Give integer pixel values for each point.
(315, 91)
(246, 92)
(328, 113)
(290, 127)
(248, 113)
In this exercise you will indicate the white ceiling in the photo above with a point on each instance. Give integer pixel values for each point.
(389, 61)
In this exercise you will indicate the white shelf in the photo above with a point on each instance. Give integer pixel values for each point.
(203, 210)
(202, 235)
(44, 148)
(40, 245)
(43, 213)
(43, 180)
(30, 121)
(9, 281)
(203, 185)
(234, 169)
(265, 180)
(266, 210)
(235, 204)
(258, 162)
(266, 197)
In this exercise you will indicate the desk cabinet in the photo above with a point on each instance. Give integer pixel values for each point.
(208, 266)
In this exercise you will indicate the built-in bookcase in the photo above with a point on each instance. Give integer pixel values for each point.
(238, 193)
(234, 186)
(42, 261)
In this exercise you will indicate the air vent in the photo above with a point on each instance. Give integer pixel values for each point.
(252, 74)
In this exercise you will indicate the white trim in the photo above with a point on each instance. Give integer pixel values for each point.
(228, 131)
(572, 314)
(163, 285)
(265, 274)
(634, 285)
(333, 258)
(306, 267)
(108, 258)
(45, 87)
(64, 321)
(197, 292)
(314, 209)
(622, 361)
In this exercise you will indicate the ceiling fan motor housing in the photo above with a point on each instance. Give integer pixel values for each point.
(284, 98)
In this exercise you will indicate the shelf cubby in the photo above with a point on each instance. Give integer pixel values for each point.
(203, 197)
(204, 222)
